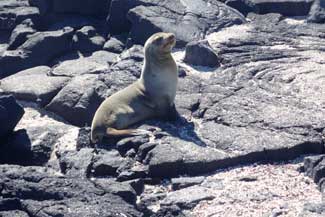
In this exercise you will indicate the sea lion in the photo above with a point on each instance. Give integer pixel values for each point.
(152, 95)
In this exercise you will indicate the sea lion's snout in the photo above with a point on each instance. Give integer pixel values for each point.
(171, 37)
(170, 40)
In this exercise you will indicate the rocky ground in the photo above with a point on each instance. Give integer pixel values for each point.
(249, 139)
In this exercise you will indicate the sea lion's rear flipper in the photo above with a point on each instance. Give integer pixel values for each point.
(112, 132)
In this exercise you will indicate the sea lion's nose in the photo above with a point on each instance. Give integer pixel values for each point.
(171, 37)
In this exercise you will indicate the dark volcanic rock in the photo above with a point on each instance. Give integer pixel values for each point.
(84, 7)
(10, 114)
(83, 140)
(189, 20)
(39, 49)
(116, 20)
(33, 145)
(122, 189)
(43, 6)
(76, 163)
(242, 6)
(200, 53)
(13, 12)
(9, 204)
(34, 85)
(317, 12)
(284, 7)
(144, 149)
(315, 167)
(106, 163)
(41, 193)
(78, 101)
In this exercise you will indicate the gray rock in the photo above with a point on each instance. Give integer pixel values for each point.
(194, 19)
(106, 163)
(114, 45)
(182, 157)
(317, 12)
(32, 52)
(74, 55)
(187, 198)
(131, 169)
(147, 200)
(313, 210)
(200, 53)
(78, 101)
(15, 213)
(86, 40)
(72, 68)
(126, 144)
(34, 84)
(137, 185)
(103, 57)
(20, 34)
(144, 149)
(10, 114)
(184, 182)
(90, 90)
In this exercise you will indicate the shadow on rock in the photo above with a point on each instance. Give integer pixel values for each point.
(180, 128)
(17, 150)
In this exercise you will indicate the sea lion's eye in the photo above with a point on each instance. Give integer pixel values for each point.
(159, 40)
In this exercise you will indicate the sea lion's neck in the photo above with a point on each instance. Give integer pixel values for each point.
(158, 68)
(161, 62)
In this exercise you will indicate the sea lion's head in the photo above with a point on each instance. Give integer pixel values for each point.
(160, 43)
